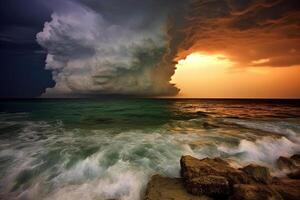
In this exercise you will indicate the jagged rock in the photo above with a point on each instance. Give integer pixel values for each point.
(289, 189)
(258, 173)
(254, 192)
(284, 163)
(193, 168)
(214, 186)
(163, 188)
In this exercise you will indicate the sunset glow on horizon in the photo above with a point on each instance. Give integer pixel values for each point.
(201, 75)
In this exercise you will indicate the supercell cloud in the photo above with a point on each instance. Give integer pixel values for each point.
(130, 47)
(95, 47)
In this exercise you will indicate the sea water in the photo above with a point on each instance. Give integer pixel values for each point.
(108, 149)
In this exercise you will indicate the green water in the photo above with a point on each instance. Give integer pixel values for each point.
(108, 149)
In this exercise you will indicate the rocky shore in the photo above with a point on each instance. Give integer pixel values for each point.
(214, 178)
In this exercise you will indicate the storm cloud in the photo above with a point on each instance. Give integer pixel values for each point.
(101, 47)
(249, 32)
(131, 47)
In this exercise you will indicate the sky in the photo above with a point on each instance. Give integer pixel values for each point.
(22, 71)
(193, 48)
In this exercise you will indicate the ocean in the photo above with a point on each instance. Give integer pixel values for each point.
(69, 149)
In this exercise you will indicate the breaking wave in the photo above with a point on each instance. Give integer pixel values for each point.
(61, 158)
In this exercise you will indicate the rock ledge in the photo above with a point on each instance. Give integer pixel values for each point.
(214, 178)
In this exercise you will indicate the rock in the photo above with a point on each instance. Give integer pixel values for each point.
(292, 165)
(213, 186)
(254, 192)
(284, 163)
(289, 189)
(258, 173)
(193, 168)
(295, 174)
(215, 178)
(296, 159)
(163, 188)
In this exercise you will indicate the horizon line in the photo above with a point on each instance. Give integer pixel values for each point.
(141, 97)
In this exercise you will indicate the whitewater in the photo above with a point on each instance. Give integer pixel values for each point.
(109, 148)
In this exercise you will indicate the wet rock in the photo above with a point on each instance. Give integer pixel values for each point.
(215, 178)
(258, 173)
(289, 189)
(193, 168)
(213, 186)
(290, 165)
(163, 188)
(296, 159)
(254, 192)
(284, 163)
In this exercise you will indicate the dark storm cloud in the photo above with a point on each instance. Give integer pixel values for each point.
(250, 32)
(99, 54)
(97, 47)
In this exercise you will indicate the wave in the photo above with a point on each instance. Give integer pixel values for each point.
(63, 164)
(51, 161)
(263, 151)
(289, 128)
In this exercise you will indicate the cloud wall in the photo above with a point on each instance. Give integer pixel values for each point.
(95, 48)
(131, 47)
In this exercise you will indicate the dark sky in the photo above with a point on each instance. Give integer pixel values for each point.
(22, 72)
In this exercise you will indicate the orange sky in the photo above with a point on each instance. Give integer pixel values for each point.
(239, 49)
(215, 76)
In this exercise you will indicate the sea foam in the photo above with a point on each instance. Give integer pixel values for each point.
(52, 160)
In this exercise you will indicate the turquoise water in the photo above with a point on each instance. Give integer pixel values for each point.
(108, 149)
